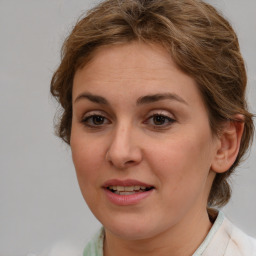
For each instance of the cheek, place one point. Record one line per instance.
(182, 174)
(86, 157)
(181, 160)
(87, 163)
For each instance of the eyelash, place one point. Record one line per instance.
(166, 119)
(89, 121)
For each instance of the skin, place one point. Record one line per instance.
(176, 155)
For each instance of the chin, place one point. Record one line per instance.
(130, 234)
(137, 228)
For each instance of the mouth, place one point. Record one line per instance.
(128, 190)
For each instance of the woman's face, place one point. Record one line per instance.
(141, 142)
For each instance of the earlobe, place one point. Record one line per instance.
(228, 144)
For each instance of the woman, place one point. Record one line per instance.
(153, 97)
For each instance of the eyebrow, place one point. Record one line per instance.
(161, 96)
(140, 101)
(92, 98)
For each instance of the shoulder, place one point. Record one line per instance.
(239, 242)
(225, 239)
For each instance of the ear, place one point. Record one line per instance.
(228, 144)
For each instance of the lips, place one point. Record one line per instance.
(118, 186)
(126, 192)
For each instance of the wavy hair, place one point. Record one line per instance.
(199, 39)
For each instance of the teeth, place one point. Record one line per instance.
(120, 188)
(123, 193)
(127, 193)
(127, 188)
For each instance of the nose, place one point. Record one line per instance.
(124, 150)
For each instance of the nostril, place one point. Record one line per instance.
(129, 162)
(123, 157)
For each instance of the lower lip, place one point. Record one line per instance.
(123, 200)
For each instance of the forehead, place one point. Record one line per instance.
(133, 70)
(134, 54)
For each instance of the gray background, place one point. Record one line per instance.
(40, 202)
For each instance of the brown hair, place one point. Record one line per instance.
(201, 42)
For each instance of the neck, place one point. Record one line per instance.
(181, 240)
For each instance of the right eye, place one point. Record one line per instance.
(95, 121)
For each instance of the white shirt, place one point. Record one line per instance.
(224, 239)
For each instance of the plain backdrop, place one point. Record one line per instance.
(40, 202)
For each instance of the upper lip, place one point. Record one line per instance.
(128, 182)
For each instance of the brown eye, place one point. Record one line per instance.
(95, 120)
(98, 120)
(159, 120)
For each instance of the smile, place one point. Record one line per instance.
(128, 190)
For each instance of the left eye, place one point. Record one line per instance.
(159, 120)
